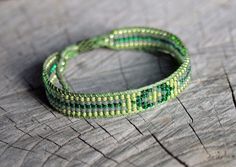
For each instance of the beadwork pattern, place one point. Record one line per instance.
(93, 105)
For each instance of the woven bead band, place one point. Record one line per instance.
(92, 105)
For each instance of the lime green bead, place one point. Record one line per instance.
(112, 113)
(95, 113)
(101, 113)
(90, 114)
(84, 114)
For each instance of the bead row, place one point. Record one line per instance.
(94, 105)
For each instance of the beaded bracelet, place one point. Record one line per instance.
(93, 105)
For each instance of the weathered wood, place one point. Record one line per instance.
(196, 129)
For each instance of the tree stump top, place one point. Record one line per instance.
(196, 129)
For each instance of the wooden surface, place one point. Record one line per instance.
(197, 129)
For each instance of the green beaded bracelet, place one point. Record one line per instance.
(93, 105)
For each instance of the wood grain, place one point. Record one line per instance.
(196, 129)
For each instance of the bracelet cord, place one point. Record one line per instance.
(93, 105)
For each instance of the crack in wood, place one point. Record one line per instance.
(147, 121)
(54, 153)
(29, 152)
(97, 150)
(3, 109)
(23, 131)
(75, 130)
(221, 126)
(107, 132)
(45, 138)
(142, 117)
(48, 127)
(131, 163)
(59, 156)
(69, 118)
(12, 146)
(10, 119)
(185, 109)
(134, 126)
(90, 123)
(199, 139)
(169, 152)
(230, 87)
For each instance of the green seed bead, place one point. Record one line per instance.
(84, 114)
(112, 113)
(78, 114)
(101, 113)
(90, 114)
(106, 113)
(95, 113)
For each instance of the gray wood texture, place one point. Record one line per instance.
(196, 129)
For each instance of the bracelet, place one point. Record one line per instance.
(93, 105)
